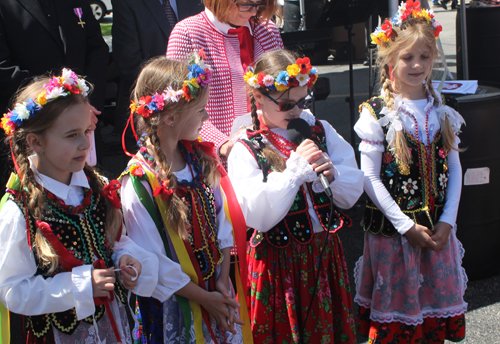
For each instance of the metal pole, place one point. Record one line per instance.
(393, 7)
(463, 24)
(302, 26)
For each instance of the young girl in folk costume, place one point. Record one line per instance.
(409, 281)
(61, 226)
(282, 199)
(174, 206)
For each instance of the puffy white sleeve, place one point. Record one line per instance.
(371, 163)
(142, 230)
(265, 204)
(348, 184)
(370, 132)
(149, 264)
(454, 187)
(24, 293)
(225, 229)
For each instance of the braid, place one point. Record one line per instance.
(177, 210)
(401, 150)
(35, 200)
(253, 107)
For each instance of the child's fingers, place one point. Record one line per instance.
(232, 303)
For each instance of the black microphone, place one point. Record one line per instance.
(298, 130)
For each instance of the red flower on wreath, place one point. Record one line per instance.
(304, 65)
(387, 27)
(260, 79)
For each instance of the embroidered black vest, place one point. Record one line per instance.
(297, 224)
(83, 237)
(418, 188)
(202, 230)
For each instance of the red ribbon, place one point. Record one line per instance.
(111, 193)
(166, 192)
(206, 147)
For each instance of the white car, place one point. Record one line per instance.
(101, 8)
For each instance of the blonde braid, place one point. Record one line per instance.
(177, 209)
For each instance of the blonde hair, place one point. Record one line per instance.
(222, 8)
(388, 53)
(156, 76)
(270, 63)
(35, 197)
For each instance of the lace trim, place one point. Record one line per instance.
(300, 169)
(425, 313)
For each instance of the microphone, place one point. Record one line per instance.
(298, 130)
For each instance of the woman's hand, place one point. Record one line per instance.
(441, 234)
(103, 282)
(128, 275)
(420, 237)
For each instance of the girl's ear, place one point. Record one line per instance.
(35, 142)
(169, 120)
(259, 97)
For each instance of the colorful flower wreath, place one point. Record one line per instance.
(199, 76)
(66, 84)
(301, 73)
(410, 10)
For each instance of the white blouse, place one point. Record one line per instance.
(266, 204)
(24, 293)
(371, 147)
(142, 229)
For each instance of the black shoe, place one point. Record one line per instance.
(443, 4)
(453, 5)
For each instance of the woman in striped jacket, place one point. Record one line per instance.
(233, 34)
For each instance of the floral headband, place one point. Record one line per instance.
(66, 84)
(410, 10)
(199, 76)
(300, 73)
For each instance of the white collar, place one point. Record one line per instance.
(222, 27)
(78, 179)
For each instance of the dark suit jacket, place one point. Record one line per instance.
(140, 32)
(29, 46)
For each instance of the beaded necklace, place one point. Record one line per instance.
(80, 209)
(283, 145)
(427, 147)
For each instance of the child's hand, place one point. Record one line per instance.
(441, 235)
(309, 151)
(127, 274)
(420, 237)
(223, 289)
(217, 305)
(103, 282)
(323, 164)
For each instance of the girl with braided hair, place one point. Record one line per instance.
(297, 277)
(174, 206)
(409, 281)
(61, 225)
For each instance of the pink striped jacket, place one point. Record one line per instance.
(228, 92)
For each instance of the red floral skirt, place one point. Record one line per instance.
(431, 331)
(281, 283)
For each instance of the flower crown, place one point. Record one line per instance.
(66, 84)
(199, 76)
(300, 73)
(410, 10)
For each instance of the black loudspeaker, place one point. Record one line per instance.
(311, 43)
(321, 88)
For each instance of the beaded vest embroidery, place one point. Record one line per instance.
(200, 201)
(297, 222)
(418, 188)
(84, 238)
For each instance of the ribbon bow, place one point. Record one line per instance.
(166, 192)
(206, 147)
(391, 117)
(111, 193)
(455, 119)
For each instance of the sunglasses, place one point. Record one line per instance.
(304, 103)
(247, 7)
